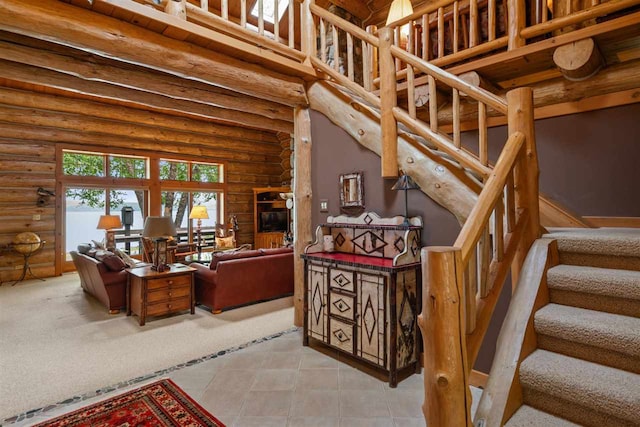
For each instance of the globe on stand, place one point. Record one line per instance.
(26, 244)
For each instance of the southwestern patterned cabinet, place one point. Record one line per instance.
(363, 297)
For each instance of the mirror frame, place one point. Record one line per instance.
(346, 179)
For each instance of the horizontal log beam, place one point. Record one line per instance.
(88, 31)
(134, 98)
(95, 69)
(42, 101)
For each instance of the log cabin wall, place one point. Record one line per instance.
(42, 110)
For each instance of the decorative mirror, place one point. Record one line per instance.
(352, 191)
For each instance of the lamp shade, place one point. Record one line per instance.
(398, 10)
(199, 212)
(108, 222)
(158, 226)
(405, 182)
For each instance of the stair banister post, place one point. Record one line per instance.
(516, 11)
(442, 323)
(520, 119)
(307, 29)
(388, 101)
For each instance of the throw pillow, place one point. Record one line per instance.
(101, 254)
(225, 243)
(114, 263)
(99, 245)
(130, 262)
(83, 248)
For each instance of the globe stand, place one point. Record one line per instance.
(26, 267)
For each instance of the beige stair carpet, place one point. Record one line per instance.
(602, 289)
(57, 342)
(526, 416)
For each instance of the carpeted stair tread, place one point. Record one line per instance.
(606, 241)
(603, 289)
(580, 390)
(605, 338)
(526, 416)
(598, 247)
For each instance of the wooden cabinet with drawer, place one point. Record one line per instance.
(153, 293)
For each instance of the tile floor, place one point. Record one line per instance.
(281, 383)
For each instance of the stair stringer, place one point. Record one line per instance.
(442, 180)
(517, 339)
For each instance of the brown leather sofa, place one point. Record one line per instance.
(109, 286)
(244, 277)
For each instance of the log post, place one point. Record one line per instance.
(307, 29)
(520, 119)
(176, 8)
(388, 101)
(302, 234)
(446, 383)
(517, 13)
(578, 60)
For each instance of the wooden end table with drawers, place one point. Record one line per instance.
(154, 293)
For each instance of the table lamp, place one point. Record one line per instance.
(199, 213)
(158, 228)
(109, 223)
(405, 182)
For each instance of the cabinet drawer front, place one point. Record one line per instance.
(341, 279)
(168, 293)
(341, 335)
(342, 305)
(172, 281)
(168, 306)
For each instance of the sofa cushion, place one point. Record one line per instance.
(114, 263)
(276, 251)
(223, 256)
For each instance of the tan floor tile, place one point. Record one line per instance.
(315, 403)
(223, 402)
(414, 382)
(317, 360)
(314, 422)
(405, 403)
(366, 422)
(260, 422)
(275, 379)
(362, 403)
(409, 422)
(267, 403)
(235, 379)
(317, 379)
(245, 360)
(353, 379)
(283, 360)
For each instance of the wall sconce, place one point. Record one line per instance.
(109, 223)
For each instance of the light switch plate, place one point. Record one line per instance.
(324, 205)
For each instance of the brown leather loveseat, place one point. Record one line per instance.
(104, 279)
(244, 277)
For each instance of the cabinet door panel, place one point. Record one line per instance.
(342, 305)
(341, 279)
(371, 339)
(317, 301)
(341, 335)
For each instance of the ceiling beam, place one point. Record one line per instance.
(89, 31)
(143, 80)
(133, 98)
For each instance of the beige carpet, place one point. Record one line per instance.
(57, 342)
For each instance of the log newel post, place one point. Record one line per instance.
(388, 101)
(302, 226)
(442, 323)
(307, 28)
(176, 8)
(520, 119)
(517, 13)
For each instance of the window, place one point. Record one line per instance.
(172, 170)
(268, 9)
(83, 164)
(177, 170)
(127, 167)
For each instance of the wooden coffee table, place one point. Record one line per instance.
(153, 293)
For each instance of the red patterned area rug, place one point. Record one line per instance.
(161, 403)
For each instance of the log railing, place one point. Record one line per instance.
(449, 31)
